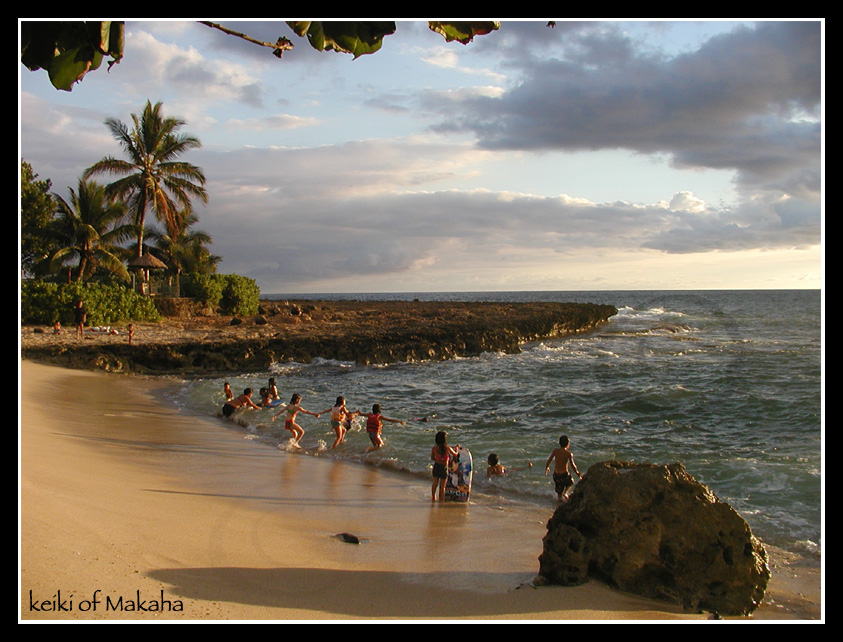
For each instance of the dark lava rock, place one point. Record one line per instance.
(371, 332)
(657, 532)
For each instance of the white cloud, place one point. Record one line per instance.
(278, 121)
(686, 202)
(348, 188)
(199, 77)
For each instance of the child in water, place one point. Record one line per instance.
(292, 409)
(441, 455)
(561, 476)
(266, 397)
(340, 419)
(243, 401)
(273, 389)
(374, 426)
(495, 467)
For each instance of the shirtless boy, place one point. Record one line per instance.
(561, 476)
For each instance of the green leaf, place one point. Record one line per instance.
(464, 32)
(69, 50)
(356, 38)
(70, 66)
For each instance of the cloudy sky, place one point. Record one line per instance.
(590, 156)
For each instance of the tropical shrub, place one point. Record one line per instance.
(106, 304)
(231, 293)
(241, 296)
(207, 289)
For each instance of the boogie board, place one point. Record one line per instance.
(458, 485)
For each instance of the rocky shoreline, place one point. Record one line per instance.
(365, 332)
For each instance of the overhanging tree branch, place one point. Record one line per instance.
(279, 47)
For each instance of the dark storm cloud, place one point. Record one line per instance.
(746, 100)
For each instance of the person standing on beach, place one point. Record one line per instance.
(441, 455)
(340, 419)
(244, 400)
(292, 409)
(374, 426)
(79, 316)
(561, 476)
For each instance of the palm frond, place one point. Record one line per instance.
(152, 177)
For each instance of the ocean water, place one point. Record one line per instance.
(727, 382)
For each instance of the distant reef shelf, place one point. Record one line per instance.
(195, 342)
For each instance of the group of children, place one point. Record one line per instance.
(441, 453)
(341, 416)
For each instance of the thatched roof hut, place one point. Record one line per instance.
(145, 263)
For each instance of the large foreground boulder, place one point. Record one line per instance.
(657, 532)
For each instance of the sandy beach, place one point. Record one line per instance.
(130, 510)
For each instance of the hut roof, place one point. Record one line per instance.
(147, 261)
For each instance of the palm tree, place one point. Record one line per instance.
(152, 177)
(89, 230)
(186, 253)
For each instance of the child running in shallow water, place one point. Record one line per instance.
(340, 419)
(561, 477)
(292, 409)
(374, 426)
(441, 455)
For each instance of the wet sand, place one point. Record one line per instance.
(127, 506)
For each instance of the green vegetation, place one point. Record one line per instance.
(359, 38)
(233, 294)
(86, 239)
(107, 304)
(36, 212)
(187, 252)
(86, 233)
(153, 177)
(69, 50)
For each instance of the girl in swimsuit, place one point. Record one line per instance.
(340, 419)
(292, 409)
(441, 455)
